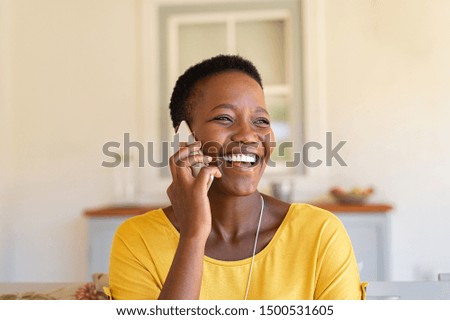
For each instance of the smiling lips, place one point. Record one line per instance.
(241, 160)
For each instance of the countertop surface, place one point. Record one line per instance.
(116, 211)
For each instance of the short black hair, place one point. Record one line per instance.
(179, 104)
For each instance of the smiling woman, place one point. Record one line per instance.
(229, 241)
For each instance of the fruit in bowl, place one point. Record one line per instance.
(356, 195)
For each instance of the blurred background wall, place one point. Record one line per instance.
(387, 92)
(71, 80)
(68, 86)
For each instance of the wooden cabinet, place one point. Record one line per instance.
(368, 227)
(102, 224)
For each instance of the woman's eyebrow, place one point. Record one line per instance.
(233, 107)
(262, 110)
(224, 106)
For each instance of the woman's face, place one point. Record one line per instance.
(229, 117)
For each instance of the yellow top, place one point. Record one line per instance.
(309, 257)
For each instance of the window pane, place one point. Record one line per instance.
(278, 107)
(279, 116)
(263, 42)
(200, 41)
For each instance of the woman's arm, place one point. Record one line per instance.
(192, 211)
(185, 275)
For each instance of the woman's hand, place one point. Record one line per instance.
(188, 194)
(190, 203)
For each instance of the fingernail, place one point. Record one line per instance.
(216, 162)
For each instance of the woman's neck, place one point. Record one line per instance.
(234, 216)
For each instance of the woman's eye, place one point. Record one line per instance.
(223, 118)
(262, 122)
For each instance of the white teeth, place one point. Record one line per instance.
(241, 158)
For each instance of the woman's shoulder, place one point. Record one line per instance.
(148, 221)
(297, 215)
(303, 213)
(310, 209)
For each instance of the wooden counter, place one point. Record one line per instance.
(118, 211)
(357, 208)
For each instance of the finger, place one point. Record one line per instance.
(194, 159)
(204, 177)
(186, 170)
(180, 169)
(172, 167)
(170, 192)
(195, 165)
(185, 151)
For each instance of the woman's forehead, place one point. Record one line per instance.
(224, 85)
(227, 75)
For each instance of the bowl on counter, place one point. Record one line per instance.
(355, 196)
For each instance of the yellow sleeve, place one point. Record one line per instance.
(337, 276)
(131, 276)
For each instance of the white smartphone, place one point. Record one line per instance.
(185, 135)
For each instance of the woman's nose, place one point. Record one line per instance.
(245, 133)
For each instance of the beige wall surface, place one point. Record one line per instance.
(70, 81)
(72, 87)
(388, 74)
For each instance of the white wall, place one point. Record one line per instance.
(388, 76)
(6, 139)
(70, 82)
(72, 88)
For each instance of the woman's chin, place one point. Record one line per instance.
(237, 187)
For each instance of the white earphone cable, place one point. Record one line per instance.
(254, 249)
